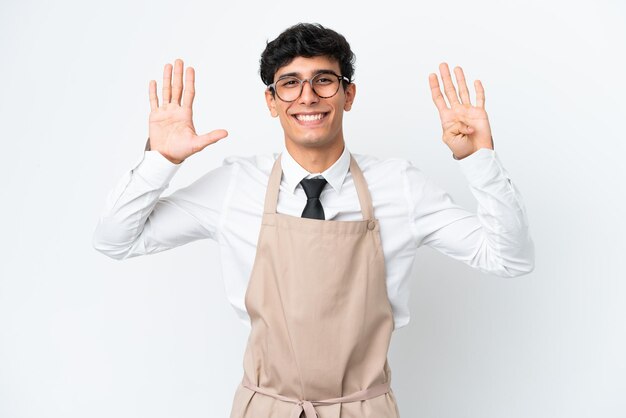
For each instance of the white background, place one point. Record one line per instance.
(82, 335)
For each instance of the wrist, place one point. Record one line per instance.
(170, 159)
(488, 146)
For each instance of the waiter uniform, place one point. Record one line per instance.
(320, 316)
(314, 290)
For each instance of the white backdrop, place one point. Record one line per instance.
(82, 335)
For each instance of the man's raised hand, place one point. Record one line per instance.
(465, 127)
(171, 127)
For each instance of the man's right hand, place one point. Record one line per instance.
(171, 127)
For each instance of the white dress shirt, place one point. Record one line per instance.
(226, 204)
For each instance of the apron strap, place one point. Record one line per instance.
(361, 189)
(273, 186)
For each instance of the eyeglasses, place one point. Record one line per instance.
(324, 85)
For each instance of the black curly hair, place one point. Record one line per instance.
(306, 40)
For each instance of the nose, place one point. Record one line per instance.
(308, 96)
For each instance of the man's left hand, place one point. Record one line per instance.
(465, 127)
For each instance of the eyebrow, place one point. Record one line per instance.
(315, 72)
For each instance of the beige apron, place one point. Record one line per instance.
(321, 319)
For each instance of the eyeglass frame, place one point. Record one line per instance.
(310, 81)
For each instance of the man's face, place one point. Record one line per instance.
(314, 132)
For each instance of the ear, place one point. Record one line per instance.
(350, 92)
(271, 103)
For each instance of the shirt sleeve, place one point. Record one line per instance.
(136, 220)
(496, 239)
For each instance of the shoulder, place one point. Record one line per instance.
(250, 169)
(393, 178)
(383, 169)
(256, 160)
(251, 163)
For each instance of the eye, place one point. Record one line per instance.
(288, 82)
(323, 80)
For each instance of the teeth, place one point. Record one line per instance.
(309, 117)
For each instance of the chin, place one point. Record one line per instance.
(312, 142)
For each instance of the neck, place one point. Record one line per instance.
(315, 159)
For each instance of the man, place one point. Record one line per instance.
(316, 243)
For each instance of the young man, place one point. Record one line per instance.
(317, 243)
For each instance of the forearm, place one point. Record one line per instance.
(504, 246)
(495, 239)
(119, 233)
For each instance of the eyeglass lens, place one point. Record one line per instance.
(324, 85)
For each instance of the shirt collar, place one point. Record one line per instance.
(335, 174)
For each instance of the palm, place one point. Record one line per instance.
(465, 126)
(171, 125)
(171, 130)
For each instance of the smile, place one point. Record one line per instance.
(310, 118)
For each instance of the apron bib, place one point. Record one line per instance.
(321, 319)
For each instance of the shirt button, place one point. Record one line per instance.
(371, 225)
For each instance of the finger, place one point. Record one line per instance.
(435, 92)
(190, 88)
(211, 137)
(167, 83)
(480, 94)
(177, 81)
(459, 127)
(154, 99)
(460, 82)
(448, 87)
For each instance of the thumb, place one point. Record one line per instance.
(210, 138)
